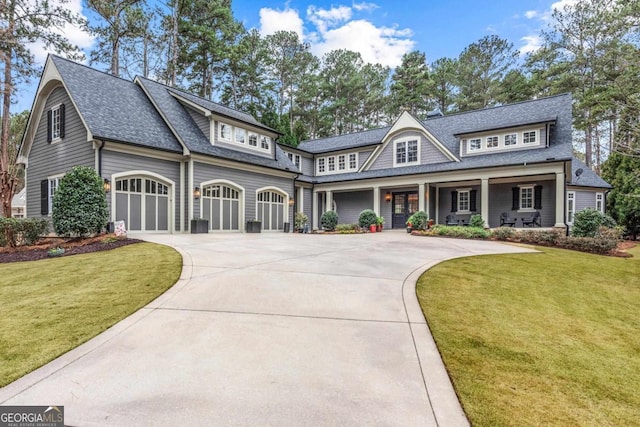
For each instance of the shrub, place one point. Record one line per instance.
(459, 231)
(300, 220)
(419, 220)
(503, 233)
(17, 231)
(595, 245)
(614, 233)
(79, 205)
(367, 218)
(329, 220)
(347, 227)
(543, 237)
(608, 221)
(476, 221)
(33, 229)
(586, 223)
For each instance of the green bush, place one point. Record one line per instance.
(586, 223)
(476, 221)
(542, 237)
(367, 218)
(503, 233)
(300, 220)
(347, 227)
(459, 231)
(608, 221)
(329, 220)
(79, 205)
(419, 220)
(595, 245)
(17, 231)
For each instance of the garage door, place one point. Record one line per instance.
(221, 206)
(143, 203)
(271, 210)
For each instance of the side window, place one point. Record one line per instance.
(55, 123)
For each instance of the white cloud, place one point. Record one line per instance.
(328, 18)
(272, 21)
(364, 6)
(76, 35)
(563, 4)
(531, 44)
(530, 14)
(376, 44)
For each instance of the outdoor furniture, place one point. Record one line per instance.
(532, 221)
(451, 220)
(506, 220)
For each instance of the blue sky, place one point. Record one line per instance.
(381, 30)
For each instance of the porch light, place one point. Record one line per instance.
(387, 197)
(106, 185)
(292, 201)
(196, 193)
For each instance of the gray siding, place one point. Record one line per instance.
(429, 153)
(363, 156)
(585, 198)
(349, 205)
(307, 165)
(47, 159)
(115, 162)
(500, 200)
(308, 205)
(200, 119)
(249, 181)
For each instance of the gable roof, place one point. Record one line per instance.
(586, 178)
(113, 108)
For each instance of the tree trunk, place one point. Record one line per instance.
(588, 144)
(7, 183)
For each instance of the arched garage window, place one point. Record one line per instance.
(271, 209)
(143, 203)
(221, 206)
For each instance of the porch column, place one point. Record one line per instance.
(559, 200)
(484, 201)
(300, 197)
(421, 198)
(437, 204)
(314, 213)
(376, 200)
(329, 205)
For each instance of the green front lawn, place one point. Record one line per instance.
(51, 306)
(551, 338)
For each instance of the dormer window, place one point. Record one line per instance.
(342, 165)
(529, 137)
(321, 165)
(55, 123)
(406, 152)
(253, 140)
(265, 142)
(240, 135)
(225, 132)
(331, 162)
(492, 142)
(475, 144)
(353, 161)
(510, 139)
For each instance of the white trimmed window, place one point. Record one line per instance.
(241, 134)
(529, 137)
(526, 198)
(463, 201)
(56, 123)
(321, 163)
(571, 206)
(295, 159)
(224, 131)
(406, 152)
(265, 142)
(510, 139)
(54, 182)
(475, 144)
(492, 142)
(253, 140)
(600, 202)
(331, 164)
(353, 161)
(342, 162)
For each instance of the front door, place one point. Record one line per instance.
(404, 205)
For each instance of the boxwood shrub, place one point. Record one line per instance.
(367, 218)
(419, 220)
(329, 220)
(22, 231)
(459, 231)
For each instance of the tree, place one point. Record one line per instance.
(79, 206)
(515, 87)
(410, 85)
(123, 19)
(623, 201)
(23, 23)
(481, 67)
(443, 78)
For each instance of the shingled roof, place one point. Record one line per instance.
(587, 177)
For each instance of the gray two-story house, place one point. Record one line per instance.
(168, 157)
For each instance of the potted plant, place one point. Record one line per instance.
(368, 220)
(379, 223)
(300, 221)
(418, 221)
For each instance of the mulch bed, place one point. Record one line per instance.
(71, 247)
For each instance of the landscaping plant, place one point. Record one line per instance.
(79, 206)
(329, 220)
(367, 218)
(476, 221)
(419, 220)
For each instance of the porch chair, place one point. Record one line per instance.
(505, 220)
(451, 220)
(533, 220)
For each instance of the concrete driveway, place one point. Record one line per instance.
(268, 330)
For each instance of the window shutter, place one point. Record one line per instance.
(537, 197)
(472, 200)
(62, 121)
(516, 198)
(454, 201)
(44, 197)
(49, 136)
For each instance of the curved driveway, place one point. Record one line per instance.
(268, 330)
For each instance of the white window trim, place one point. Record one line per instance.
(347, 168)
(504, 140)
(601, 196)
(49, 195)
(406, 142)
(486, 142)
(469, 146)
(533, 201)
(220, 137)
(468, 191)
(235, 135)
(55, 139)
(249, 135)
(536, 142)
(571, 195)
(324, 165)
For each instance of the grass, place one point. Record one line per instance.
(51, 306)
(551, 338)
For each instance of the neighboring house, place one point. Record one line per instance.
(19, 204)
(170, 157)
